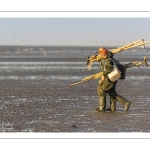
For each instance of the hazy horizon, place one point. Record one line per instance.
(105, 32)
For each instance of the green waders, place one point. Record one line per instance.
(109, 87)
(112, 104)
(112, 93)
(102, 103)
(123, 101)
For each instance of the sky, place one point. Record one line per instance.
(73, 31)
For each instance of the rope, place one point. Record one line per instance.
(119, 86)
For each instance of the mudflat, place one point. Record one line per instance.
(35, 95)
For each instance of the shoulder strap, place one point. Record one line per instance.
(113, 61)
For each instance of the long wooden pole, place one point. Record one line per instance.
(98, 75)
(114, 51)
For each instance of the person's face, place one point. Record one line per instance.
(101, 54)
(99, 51)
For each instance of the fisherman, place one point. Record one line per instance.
(105, 85)
(112, 100)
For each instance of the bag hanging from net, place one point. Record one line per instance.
(115, 74)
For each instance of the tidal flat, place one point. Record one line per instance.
(35, 95)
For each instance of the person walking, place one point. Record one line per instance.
(106, 86)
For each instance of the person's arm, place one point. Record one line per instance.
(108, 67)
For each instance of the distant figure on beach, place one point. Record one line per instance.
(106, 86)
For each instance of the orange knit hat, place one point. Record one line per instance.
(103, 51)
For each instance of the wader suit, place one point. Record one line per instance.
(108, 87)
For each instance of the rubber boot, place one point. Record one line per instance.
(112, 105)
(102, 104)
(123, 101)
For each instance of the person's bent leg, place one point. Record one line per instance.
(123, 101)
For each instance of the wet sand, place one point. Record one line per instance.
(35, 95)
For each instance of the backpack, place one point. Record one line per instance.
(121, 68)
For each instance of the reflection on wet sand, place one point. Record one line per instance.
(36, 97)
